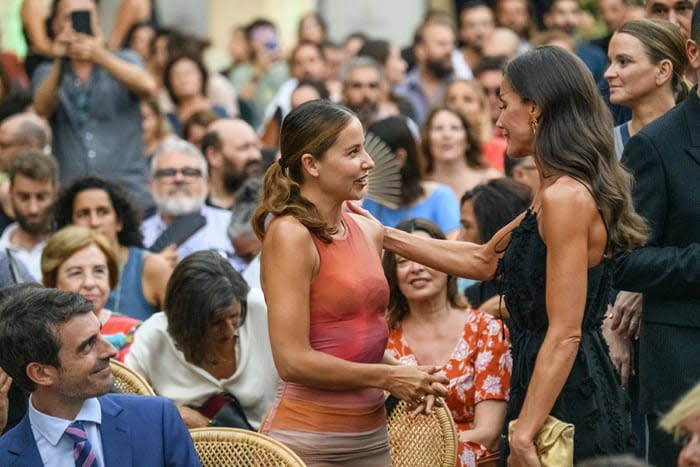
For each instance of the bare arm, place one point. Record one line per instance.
(288, 263)
(488, 423)
(156, 273)
(46, 95)
(130, 12)
(566, 217)
(32, 14)
(135, 78)
(454, 257)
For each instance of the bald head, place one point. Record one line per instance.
(501, 42)
(232, 149)
(22, 131)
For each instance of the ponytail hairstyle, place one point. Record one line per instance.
(311, 128)
(662, 41)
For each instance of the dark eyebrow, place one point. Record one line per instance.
(353, 147)
(87, 342)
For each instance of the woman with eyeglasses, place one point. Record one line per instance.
(102, 206)
(208, 351)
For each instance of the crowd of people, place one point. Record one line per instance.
(535, 254)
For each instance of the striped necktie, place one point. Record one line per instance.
(83, 453)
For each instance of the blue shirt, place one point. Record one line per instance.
(55, 447)
(411, 89)
(440, 206)
(97, 128)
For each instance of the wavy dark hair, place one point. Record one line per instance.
(398, 305)
(495, 203)
(573, 136)
(474, 155)
(124, 207)
(201, 288)
(395, 133)
(311, 128)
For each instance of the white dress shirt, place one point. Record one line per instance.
(55, 447)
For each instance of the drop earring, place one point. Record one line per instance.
(533, 125)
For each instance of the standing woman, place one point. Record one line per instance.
(326, 295)
(555, 257)
(646, 73)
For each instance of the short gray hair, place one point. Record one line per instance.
(182, 147)
(362, 61)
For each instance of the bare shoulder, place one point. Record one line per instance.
(286, 231)
(373, 231)
(568, 194)
(155, 265)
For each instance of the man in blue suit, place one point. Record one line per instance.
(50, 344)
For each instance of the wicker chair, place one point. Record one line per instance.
(232, 447)
(427, 440)
(128, 381)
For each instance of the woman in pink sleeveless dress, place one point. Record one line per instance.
(326, 295)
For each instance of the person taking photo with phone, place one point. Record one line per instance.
(91, 97)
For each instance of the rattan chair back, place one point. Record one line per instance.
(128, 381)
(426, 440)
(233, 447)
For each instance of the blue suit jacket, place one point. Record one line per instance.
(135, 430)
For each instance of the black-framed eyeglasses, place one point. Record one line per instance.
(191, 172)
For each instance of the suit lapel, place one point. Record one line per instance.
(115, 432)
(24, 446)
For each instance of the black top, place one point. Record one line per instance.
(592, 398)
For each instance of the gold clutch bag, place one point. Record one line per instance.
(554, 442)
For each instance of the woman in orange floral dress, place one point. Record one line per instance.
(431, 324)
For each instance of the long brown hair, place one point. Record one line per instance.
(474, 155)
(312, 128)
(398, 305)
(574, 138)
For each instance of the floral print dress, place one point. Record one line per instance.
(479, 369)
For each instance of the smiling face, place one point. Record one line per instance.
(84, 370)
(86, 272)
(447, 137)
(419, 283)
(343, 171)
(515, 122)
(631, 75)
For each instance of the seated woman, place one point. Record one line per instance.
(431, 324)
(78, 259)
(485, 209)
(211, 343)
(419, 198)
(101, 205)
(452, 152)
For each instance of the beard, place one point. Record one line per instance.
(41, 225)
(440, 68)
(366, 111)
(234, 178)
(179, 205)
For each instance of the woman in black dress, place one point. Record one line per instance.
(554, 259)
